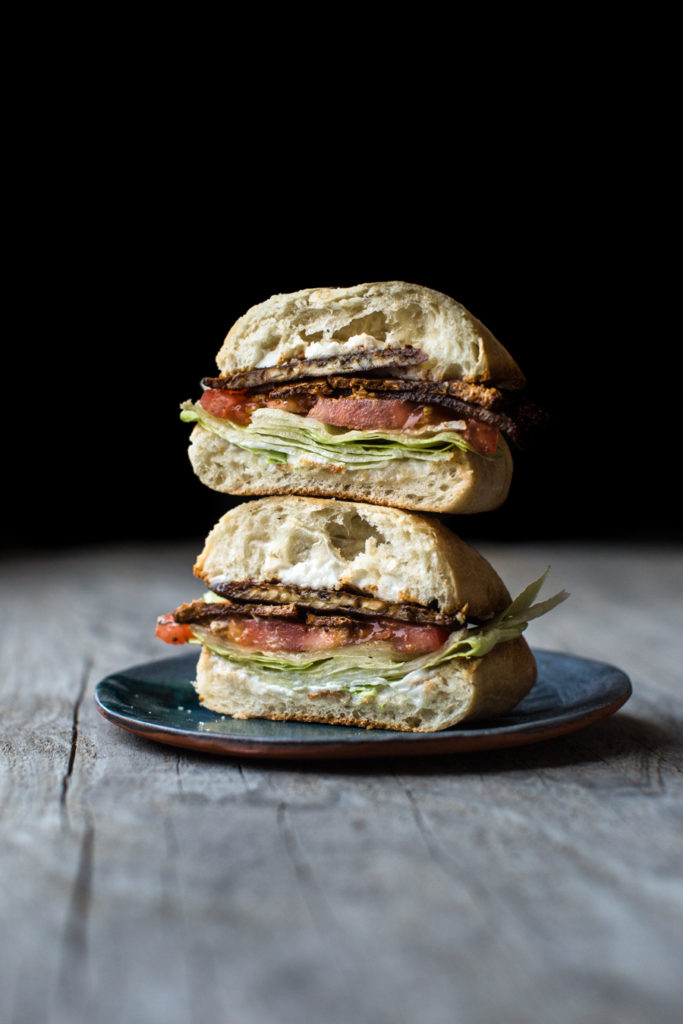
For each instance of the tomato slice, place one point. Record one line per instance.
(227, 405)
(172, 632)
(482, 436)
(278, 635)
(415, 640)
(363, 413)
(236, 406)
(299, 405)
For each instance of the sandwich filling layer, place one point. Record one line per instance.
(317, 410)
(326, 651)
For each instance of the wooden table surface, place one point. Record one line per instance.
(145, 884)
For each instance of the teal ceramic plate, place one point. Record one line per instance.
(157, 701)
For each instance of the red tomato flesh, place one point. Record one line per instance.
(172, 632)
(278, 635)
(233, 405)
(482, 436)
(363, 413)
(408, 639)
(238, 407)
(297, 405)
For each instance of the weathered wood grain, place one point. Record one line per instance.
(141, 883)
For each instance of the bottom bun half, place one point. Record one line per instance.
(474, 688)
(465, 483)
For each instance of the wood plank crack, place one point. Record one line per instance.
(72, 975)
(66, 778)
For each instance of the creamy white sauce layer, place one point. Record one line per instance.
(410, 693)
(322, 568)
(321, 349)
(297, 347)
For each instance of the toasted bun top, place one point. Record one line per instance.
(319, 322)
(327, 544)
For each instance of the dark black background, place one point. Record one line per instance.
(128, 281)
(164, 177)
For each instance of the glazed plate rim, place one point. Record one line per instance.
(605, 689)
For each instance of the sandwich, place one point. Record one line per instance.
(345, 613)
(388, 393)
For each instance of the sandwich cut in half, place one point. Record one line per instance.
(352, 614)
(389, 393)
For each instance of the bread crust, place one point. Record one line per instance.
(389, 553)
(398, 313)
(465, 484)
(462, 689)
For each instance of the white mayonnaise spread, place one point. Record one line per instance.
(331, 347)
(321, 568)
(297, 348)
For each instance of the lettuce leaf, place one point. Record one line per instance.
(280, 436)
(510, 623)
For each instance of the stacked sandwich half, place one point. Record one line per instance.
(356, 415)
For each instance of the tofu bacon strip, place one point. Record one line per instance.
(248, 594)
(386, 358)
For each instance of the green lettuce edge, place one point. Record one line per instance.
(283, 436)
